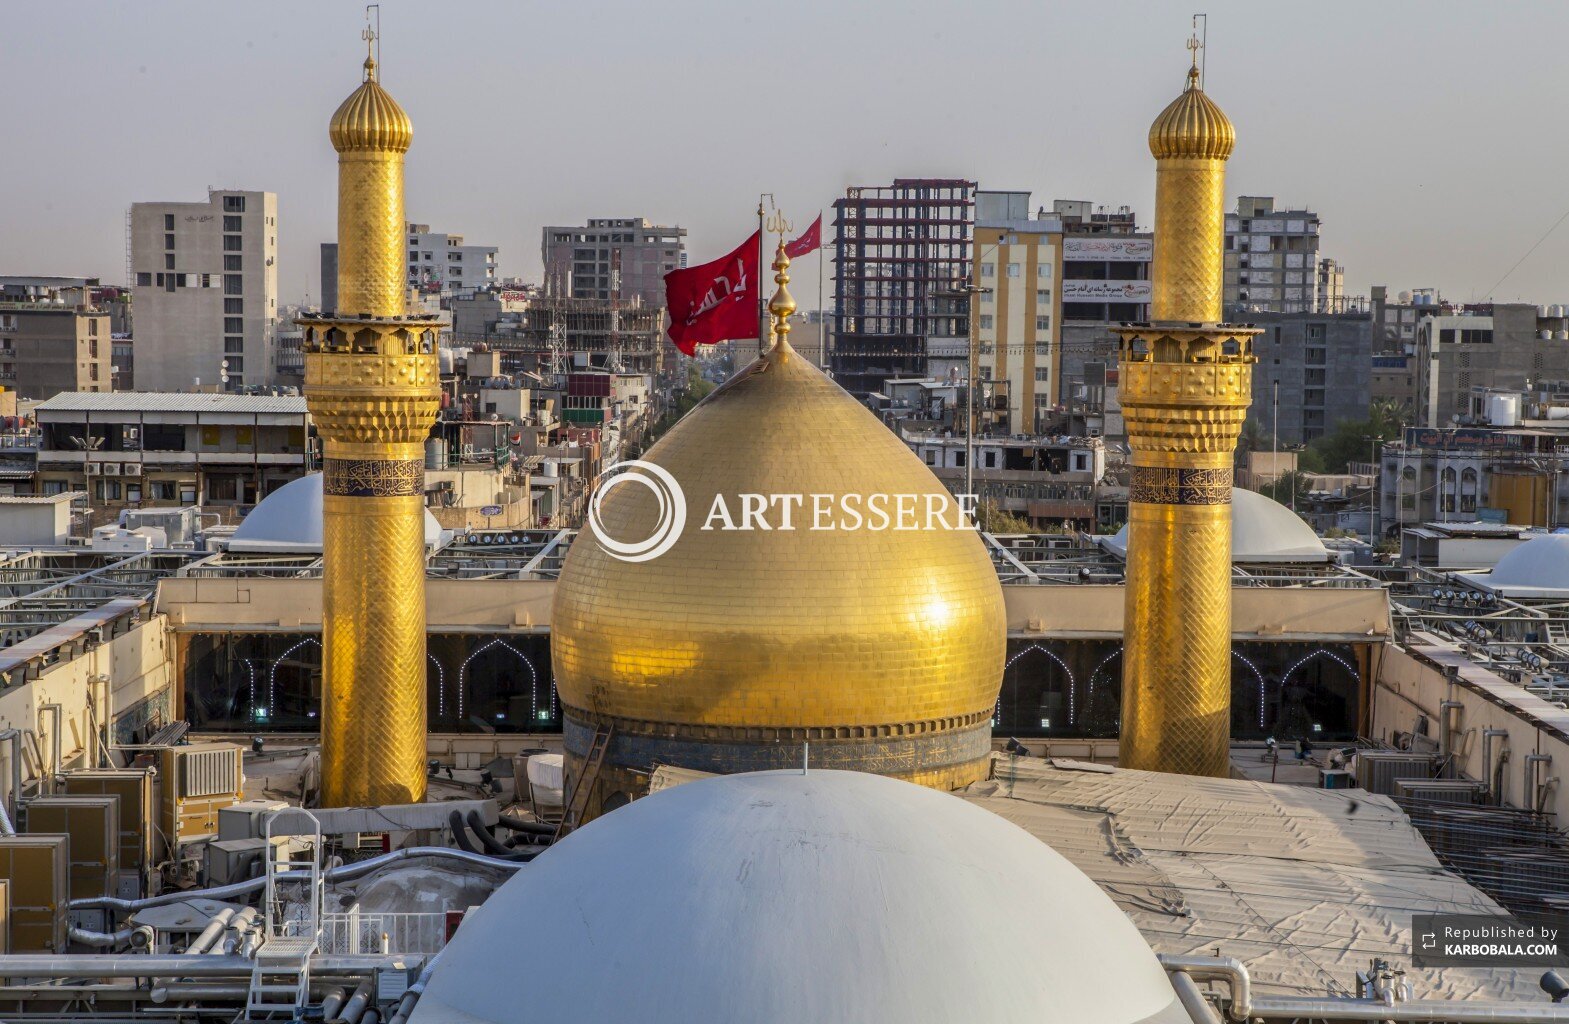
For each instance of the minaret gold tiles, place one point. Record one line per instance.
(372, 386)
(1186, 383)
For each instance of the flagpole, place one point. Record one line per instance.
(822, 331)
(762, 305)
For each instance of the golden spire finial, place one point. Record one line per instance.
(782, 305)
(1194, 46)
(369, 35)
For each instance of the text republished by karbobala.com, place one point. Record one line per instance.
(1445, 940)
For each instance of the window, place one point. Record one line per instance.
(244, 436)
(234, 346)
(231, 261)
(1043, 323)
(233, 284)
(168, 222)
(986, 321)
(54, 486)
(168, 261)
(233, 306)
(1013, 270)
(231, 223)
(988, 270)
(111, 490)
(163, 490)
(986, 296)
(187, 494)
(236, 365)
(210, 436)
(144, 279)
(1042, 373)
(133, 494)
(168, 241)
(1043, 296)
(233, 325)
(1043, 270)
(231, 243)
(931, 457)
(234, 204)
(991, 460)
(220, 488)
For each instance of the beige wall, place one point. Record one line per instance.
(1411, 684)
(1257, 613)
(139, 664)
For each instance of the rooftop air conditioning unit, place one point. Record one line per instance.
(132, 469)
(91, 469)
(111, 469)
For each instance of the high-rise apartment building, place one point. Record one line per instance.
(902, 275)
(205, 291)
(1015, 309)
(1314, 371)
(612, 258)
(441, 264)
(1272, 261)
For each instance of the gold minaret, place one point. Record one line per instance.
(372, 386)
(1186, 383)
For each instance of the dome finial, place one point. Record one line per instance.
(1194, 46)
(369, 35)
(782, 305)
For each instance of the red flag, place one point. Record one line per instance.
(716, 301)
(810, 241)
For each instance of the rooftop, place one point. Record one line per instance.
(159, 401)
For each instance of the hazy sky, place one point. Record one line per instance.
(1429, 136)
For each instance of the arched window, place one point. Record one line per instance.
(1446, 488)
(1468, 490)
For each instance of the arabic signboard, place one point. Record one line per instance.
(1463, 439)
(490, 510)
(1121, 250)
(1105, 291)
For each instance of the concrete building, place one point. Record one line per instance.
(1314, 368)
(139, 450)
(551, 333)
(612, 258)
(902, 274)
(53, 340)
(1511, 466)
(442, 264)
(205, 290)
(1505, 346)
(1272, 260)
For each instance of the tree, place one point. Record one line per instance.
(994, 520)
(1286, 488)
(1355, 440)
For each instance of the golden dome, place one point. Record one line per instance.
(1192, 126)
(371, 119)
(801, 629)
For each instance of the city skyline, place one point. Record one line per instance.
(556, 116)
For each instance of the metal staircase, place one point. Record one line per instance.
(577, 800)
(281, 976)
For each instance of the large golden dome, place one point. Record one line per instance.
(1192, 125)
(782, 636)
(370, 119)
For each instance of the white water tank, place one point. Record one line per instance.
(1503, 410)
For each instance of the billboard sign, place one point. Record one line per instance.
(1121, 250)
(1105, 291)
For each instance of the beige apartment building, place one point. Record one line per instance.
(1014, 314)
(47, 348)
(205, 291)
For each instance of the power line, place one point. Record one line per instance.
(1489, 295)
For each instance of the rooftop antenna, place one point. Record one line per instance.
(1199, 44)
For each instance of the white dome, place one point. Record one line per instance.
(289, 520)
(1537, 568)
(1262, 530)
(787, 897)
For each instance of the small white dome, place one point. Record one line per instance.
(289, 520)
(1262, 530)
(783, 897)
(1537, 568)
